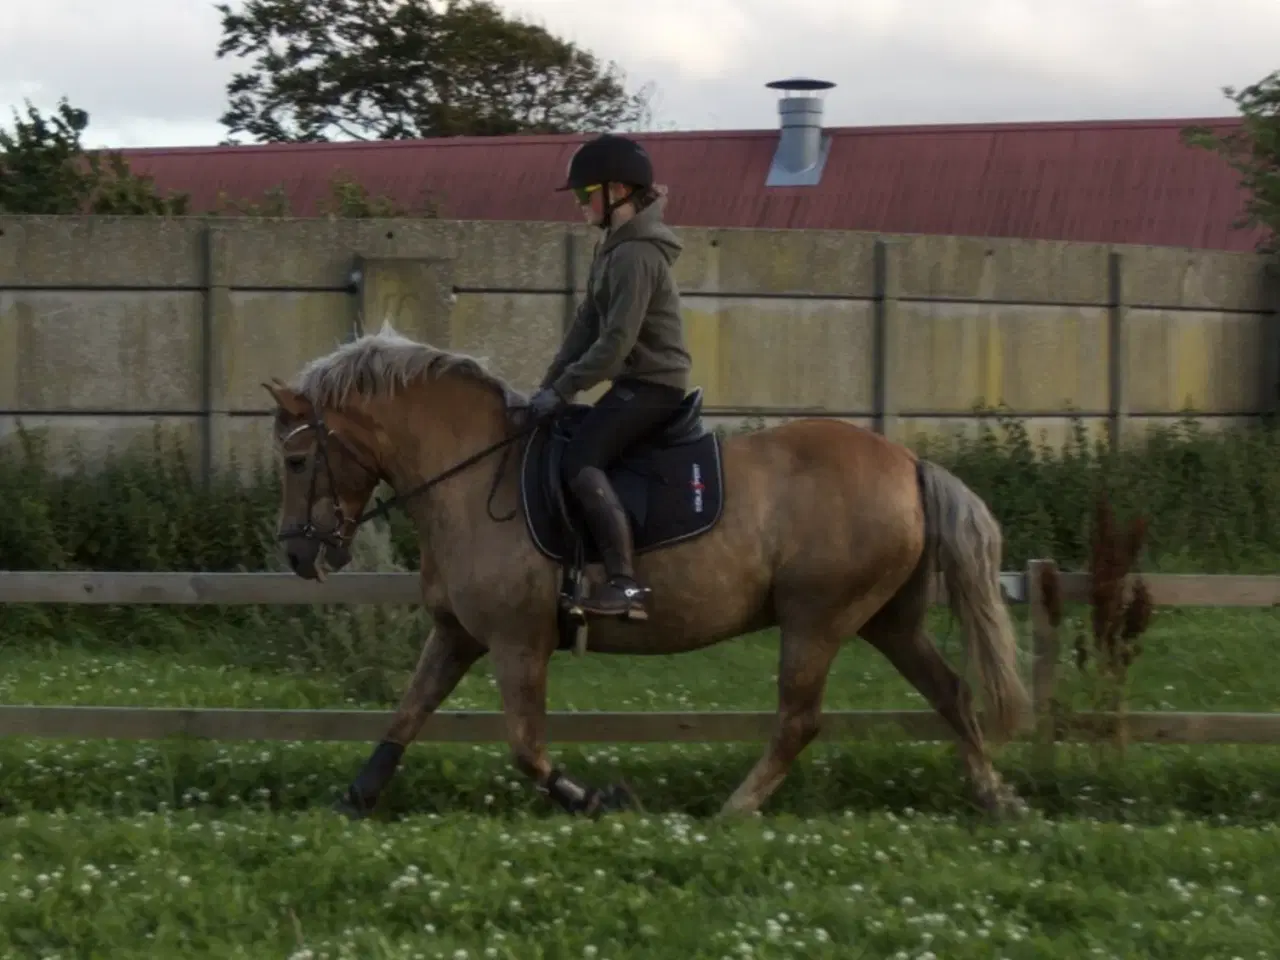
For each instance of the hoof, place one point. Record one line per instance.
(1003, 803)
(615, 798)
(1013, 806)
(350, 806)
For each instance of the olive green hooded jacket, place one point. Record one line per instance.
(629, 323)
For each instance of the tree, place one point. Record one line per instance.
(396, 69)
(44, 169)
(1254, 151)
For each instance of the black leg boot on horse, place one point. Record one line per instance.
(621, 595)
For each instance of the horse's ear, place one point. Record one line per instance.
(288, 399)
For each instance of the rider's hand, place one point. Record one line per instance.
(545, 402)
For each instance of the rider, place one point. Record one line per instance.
(628, 330)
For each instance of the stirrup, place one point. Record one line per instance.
(632, 595)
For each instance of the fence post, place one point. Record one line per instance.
(885, 285)
(1117, 340)
(1044, 652)
(574, 280)
(213, 323)
(1271, 342)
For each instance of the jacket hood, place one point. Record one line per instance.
(648, 225)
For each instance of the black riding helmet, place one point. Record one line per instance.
(608, 158)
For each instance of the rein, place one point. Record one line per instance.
(335, 537)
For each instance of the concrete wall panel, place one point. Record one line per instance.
(511, 256)
(121, 351)
(1136, 428)
(778, 321)
(734, 423)
(78, 252)
(415, 296)
(817, 263)
(91, 438)
(309, 254)
(1210, 362)
(274, 334)
(820, 263)
(784, 354)
(517, 333)
(1196, 280)
(243, 442)
(950, 357)
(1026, 271)
(1054, 432)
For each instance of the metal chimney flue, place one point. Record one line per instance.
(802, 149)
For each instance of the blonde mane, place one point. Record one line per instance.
(383, 362)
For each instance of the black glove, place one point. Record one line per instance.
(545, 402)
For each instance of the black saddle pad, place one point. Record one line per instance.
(671, 492)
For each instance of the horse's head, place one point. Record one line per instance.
(329, 469)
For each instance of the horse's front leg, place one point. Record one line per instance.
(520, 667)
(446, 657)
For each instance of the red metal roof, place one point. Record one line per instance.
(1112, 181)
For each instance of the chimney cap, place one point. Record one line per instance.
(800, 83)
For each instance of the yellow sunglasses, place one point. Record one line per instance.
(584, 193)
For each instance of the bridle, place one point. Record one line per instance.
(344, 529)
(339, 535)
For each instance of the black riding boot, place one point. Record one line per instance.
(620, 595)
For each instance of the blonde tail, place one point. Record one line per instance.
(966, 542)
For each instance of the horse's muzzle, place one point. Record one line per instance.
(312, 559)
(304, 557)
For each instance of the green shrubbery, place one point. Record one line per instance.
(148, 510)
(1212, 500)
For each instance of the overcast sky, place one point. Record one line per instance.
(146, 72)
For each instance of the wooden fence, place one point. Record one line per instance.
(150, 723)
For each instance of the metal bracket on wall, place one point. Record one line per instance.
(355, 287)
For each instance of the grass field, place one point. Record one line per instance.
(1195, 659)
(868, 850)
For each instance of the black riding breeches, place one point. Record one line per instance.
(627, 413)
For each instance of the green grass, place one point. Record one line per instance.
(1194, 659)
(868, 850)
(226, 850)
(309, 886)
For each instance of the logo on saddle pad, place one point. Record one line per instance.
(697, 486)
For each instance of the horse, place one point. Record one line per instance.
(816, 526)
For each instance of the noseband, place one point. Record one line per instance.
(307, 530)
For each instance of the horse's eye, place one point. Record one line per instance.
(296, 463)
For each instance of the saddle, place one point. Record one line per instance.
(671, 485)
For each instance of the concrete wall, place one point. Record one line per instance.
(109, 326)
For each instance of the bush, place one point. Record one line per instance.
(1211, 498)
(149, 510)
(1212, 501)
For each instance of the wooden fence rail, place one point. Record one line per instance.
(182, 588)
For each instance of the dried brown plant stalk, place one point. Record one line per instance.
(1120, 606)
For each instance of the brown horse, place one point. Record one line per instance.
(823, 529)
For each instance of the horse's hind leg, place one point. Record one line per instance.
(898, 631)
(805, 657)
(446, 657)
